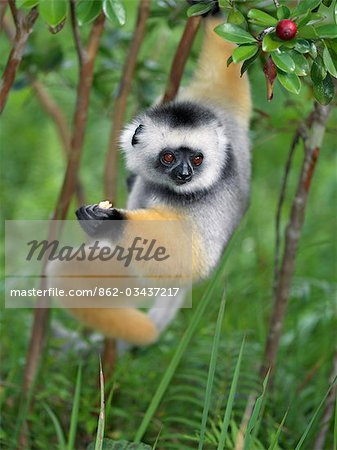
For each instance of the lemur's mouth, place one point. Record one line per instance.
(181, 182)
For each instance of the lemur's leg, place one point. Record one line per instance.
(165, 309)
(160, 314)
(127, 323)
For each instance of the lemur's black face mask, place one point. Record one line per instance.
(180, 163)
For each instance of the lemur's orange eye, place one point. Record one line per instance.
(197, 160)
(168, 158)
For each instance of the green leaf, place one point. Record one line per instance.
(236, 17)
(114, 9)
(327, 31)
(271, 42)
(87, 11)
(283, 12)
(313, 50)
(229, 61)
(327, 3)
(244, 52)
(301, 63)
(74, 411)
(304, 435)
(307, 32)
(26, 3)
(304, 20)
(109, 444)
(261, 18)
(57, 427)
(254, 418)
(53, 11)
(318, 70)
(274, 443)
(316, 17)
(332, 44)
(283, 61)
(304, 6)
(310, 18)
(234, 33)
(335, 427)
(302, 46)
(248, 63)
(199, 8)
(230, 401)
(324, 91)
(211, 371)
(290, 81)
(101, 417)
(330, 61)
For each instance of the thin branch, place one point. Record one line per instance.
(80, 119)
(15, 14)
(24, 26)
(312, 144)
(60, 122)
(76, 34)
(328, 410)
(41, 316)
(309, 376)
(298, 134)
(179, 61)
(110, 173)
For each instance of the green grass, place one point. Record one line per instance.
(74, 411)
(211, 373)
(230, 401)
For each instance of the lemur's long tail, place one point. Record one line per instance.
(214, 81)
(127, 324)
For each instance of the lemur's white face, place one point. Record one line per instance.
(184, 157)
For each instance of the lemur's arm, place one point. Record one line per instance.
(95, 222)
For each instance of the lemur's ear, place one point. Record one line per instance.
(137, 131)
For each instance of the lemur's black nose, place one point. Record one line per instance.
(184, 177)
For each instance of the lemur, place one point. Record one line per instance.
(189, 158)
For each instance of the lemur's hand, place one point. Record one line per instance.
(93, 219)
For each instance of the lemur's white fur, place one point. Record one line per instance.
(209, 138)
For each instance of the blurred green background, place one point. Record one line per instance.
(32, 167)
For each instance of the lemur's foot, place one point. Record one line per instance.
(93, 219)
